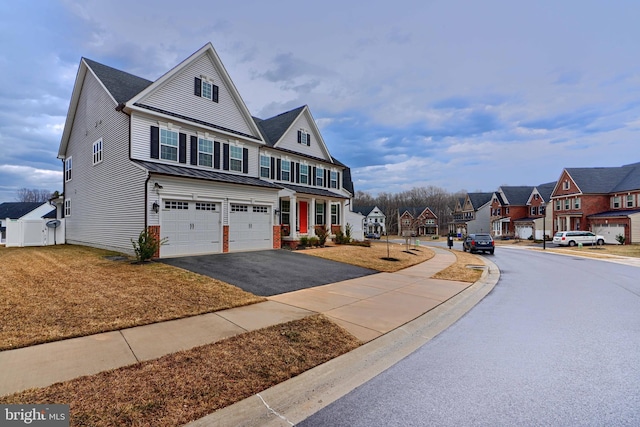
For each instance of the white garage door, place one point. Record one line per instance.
(609, 232)
(524, 232)
(190, 228)
(249, 227)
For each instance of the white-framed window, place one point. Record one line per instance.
(304, 137)
(207, 89)
(320, 177)
(558, 205)
(335, 214)
(334, 179)
(576, 203)
(67, 207)
(97, 151)
(615, 202)
(235, 158)
(319, 213)
(630, 200)
(168, 145)
(285, 170)
(536, 196)
(67, 169)
(265, 166)
(205, 152)
(534, 210)
(567, 204)
(239, 208)
(285, 212)
(304, 174)
(565, 185)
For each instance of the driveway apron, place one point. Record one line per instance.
(271, 272)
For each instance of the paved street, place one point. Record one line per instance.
(556, 343)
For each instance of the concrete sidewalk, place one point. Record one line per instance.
(367, 307)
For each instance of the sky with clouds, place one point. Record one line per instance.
(458, 94)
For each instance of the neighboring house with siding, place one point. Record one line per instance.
(373, 219)
(183, 156)
(472, 214)
(605, 200)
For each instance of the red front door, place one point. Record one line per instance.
(303, 217)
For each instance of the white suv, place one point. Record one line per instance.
(572, 238)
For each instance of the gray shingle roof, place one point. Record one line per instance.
(546, 189)
(122, 86)
(274, 127)
(15, 210)
(607, 179)
(209, 175)
(517, 195)
(479, 199)
(312, 191)
(610, 214)
(364, 210)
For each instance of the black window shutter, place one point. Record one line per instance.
(297, 173)
(225, 157)
(292, 172)
(214, 93)
(182, 148)
(338, 179)
(309, 139)
(155, 142)
(245, 160)
(313, 175)
(197, 87)
(299, 137)
(278, 169)
(216, 154)
(194, 150)
(327, 177)
(273, 168)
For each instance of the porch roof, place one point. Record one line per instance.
(312, 191)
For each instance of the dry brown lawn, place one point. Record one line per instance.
(460, 270)
(185, 386)
(374, 257)
(606, 251)
(56, 292)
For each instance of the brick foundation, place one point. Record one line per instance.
(225, 238)
(155, 231)
(277, 239)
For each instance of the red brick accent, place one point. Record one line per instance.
(335, 229)
(155, 231)
(225, 238)
(277, 239)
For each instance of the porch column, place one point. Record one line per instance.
(343, 218)
(293, 214)
(312, 220)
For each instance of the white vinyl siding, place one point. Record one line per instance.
(290, 140)
(180, 87)
(107, 201)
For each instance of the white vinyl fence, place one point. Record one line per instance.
(34, 232)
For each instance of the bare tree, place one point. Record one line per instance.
(33, 195)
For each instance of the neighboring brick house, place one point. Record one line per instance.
(414, 221)
(605, 200)
(374, 219)
(472, 214)
(508, 205)
(539, 221)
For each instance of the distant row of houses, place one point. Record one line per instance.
(605, 200)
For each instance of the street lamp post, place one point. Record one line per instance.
(544, 231)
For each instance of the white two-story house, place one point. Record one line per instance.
(183, 156)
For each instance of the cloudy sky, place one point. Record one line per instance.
(460, 94)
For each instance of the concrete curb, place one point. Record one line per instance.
(294, 400)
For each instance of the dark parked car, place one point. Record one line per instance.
(479, 242)
(372, 236)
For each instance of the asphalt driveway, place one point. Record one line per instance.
(270, 272)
